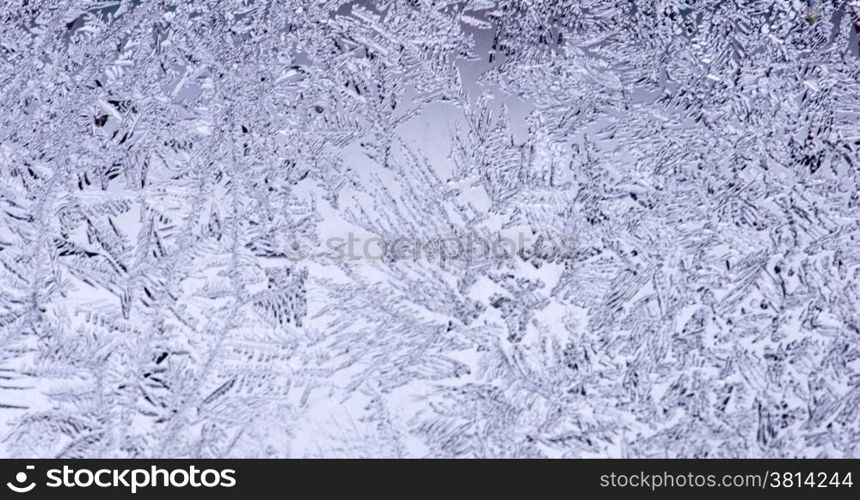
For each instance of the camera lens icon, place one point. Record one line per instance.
(21, 478)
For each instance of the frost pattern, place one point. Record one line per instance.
(172, 175)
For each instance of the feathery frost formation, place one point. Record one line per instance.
(202, 207)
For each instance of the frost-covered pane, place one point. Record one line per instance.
(424, 228)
